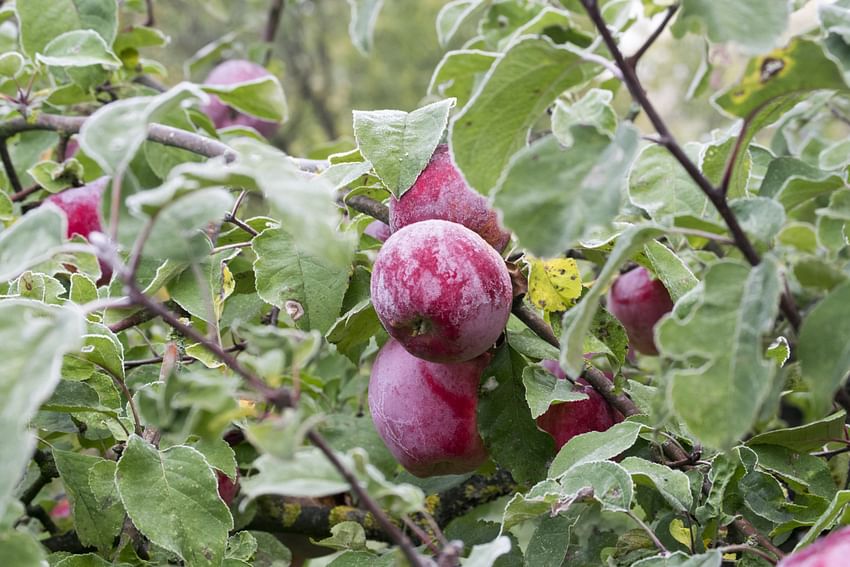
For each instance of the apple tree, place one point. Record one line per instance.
(524, 323)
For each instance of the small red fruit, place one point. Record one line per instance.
(227, 488)
(223, 116)
(441, 291)
(565, 420)
(830, 551)
(440, 192)
(639, 301)
(81, 206)
(426, 411)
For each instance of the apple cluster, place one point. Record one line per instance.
(443, 293)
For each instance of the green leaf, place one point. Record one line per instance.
(763, 495)
(33, 338)
(577, 321)
(542, 389)
(43, 20)
(241, 546)
(713, 558)
(85, 560)
(837, 509)
(458, 71)
(33, 239)
(809, 437)
(551, 197)
(286, 271)
(308, 474)
(172, 498)
(178, 232)
(21, 549)
(262, 98)
(451, 17)
(731, 20)
(78, 48)
(505, 422)
(673, 485)
(760, 217)
(485, 555)
(804, 472)
(98, 518)
(551, 540)
(593, 109)
(595, 446)
(824, 356)
(535, 502)
(670, 269)
(218, 454)
(114, 133)
(610, 484)
(660, 185)
(801, 66)
(361, 27)
(345, 535)
(719, 397)
(104, 350)
(270, 552)
(793, 183)
(400, 144)
(352, 332)
(11, 64)
(513, 95)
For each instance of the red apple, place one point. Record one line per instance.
(227, 488)
(378, 230)
(426, 411)
(830, 551)
(639, 301)
(81, 206)
(440, 192)
(61, 510)
(229, 73)
(441, 291)
(565, 420)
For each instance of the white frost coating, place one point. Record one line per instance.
(444, 273)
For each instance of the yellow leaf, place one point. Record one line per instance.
(680, 533)
(554, 284)
(228, 284)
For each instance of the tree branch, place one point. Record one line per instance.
(368, 206)
(633, 59)
(151, 20)
(715, 195)
(11, 174)
(272, 24)
(47, 471)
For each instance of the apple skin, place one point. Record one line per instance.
(566, 420)
(441, 291)
(830, 551)
(638, 302)
(378, 230)
(426, 411)
(223, 116)
(81, 206)
(440, 192)
(227, 488)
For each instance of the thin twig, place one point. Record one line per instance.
(241, 224)
(137, 318)
(137, 422)
(635, 57)
(47, 471)
(151, 20)
(744, 548)
(363, 497)
(184, 360)
(231, 246)
(11, 174)
(648, 530)
(369, 206)
(278, 397)
(272, 24)
(420, 534)
(138, 247)
(23, 194)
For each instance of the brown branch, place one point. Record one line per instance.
(47, 471)
(392, 530)
(715, 195)
(24, 193)
(744, 548)
(369, 206)
(137, 318)
(272, 25)
(11, 174)
(635, 57)
(151, 19)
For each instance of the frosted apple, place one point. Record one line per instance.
(639, 301)
(830, 551)
(426, 411)
(564, 421)
(441, 291)
(223, 116)
(440, 192)
(81, 206)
